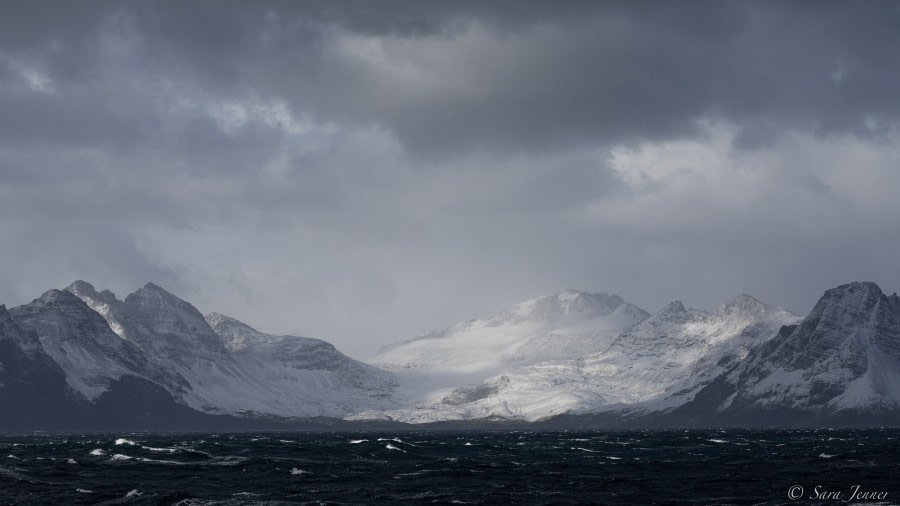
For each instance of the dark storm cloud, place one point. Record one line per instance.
(541, 75)
(361, 168)
(537, 76)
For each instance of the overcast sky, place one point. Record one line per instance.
(365, 171)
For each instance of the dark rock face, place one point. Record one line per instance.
(845, 318)
(465, 395)
(163, 324)
(82, 343)
(839, 365)
(33, 390)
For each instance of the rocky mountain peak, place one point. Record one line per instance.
(154, 299)
(550, 308)
(594, 303)
(843, 355)
(86, 291)
(54, 297)
(674, 309)
(674, 313)
(59, 313)
(742, 302)
(152, 291)
(857, 294)
(171, 327)
(79, 287)
(746, 306)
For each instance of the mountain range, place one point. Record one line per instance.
(81, 359)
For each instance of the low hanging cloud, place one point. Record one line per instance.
(362, 171)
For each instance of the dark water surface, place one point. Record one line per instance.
(607, 467)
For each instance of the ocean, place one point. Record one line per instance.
(823, 466)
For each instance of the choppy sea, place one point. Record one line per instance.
(838, 466)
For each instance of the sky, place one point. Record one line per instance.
(364, 171)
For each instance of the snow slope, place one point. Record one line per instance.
(564, 325)
(656, 364)
(305, 371)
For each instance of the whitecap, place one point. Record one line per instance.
(357, 441)
(97, 452)
(11, 456)
(403, 475)
(718, 441)
(825, 456)
(286, 441)
(468, 444)
(133, 493)
(392, 447)
(123, 441)
(119, 457)
(71, 461)
(586, 450)
(84, 491)
(396, 440)
(618, 458)
(152, 449)
(296, 471)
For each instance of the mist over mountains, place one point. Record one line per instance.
(82, 359)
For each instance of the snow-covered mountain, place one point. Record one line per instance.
(79, 359)
(844, 356)
(568, 324)
(233, 370)
(655, 364)
(80, 341)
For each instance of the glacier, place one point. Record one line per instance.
(656, 363)
(564, 325)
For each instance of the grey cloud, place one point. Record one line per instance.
(363, 171)
(546, 76)
(614, 72)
